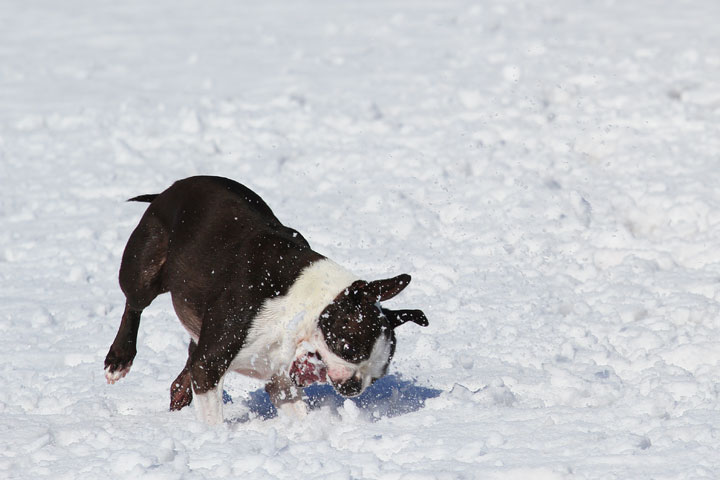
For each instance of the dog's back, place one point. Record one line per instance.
(204, 231)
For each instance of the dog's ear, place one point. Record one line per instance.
(398, 317)
(382, 290)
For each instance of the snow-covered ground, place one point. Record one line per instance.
(548, 172)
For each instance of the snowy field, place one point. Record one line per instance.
(548, 172)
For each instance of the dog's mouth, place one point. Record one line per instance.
(308, 369)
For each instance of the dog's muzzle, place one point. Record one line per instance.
(351, 387)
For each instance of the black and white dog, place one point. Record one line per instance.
(254, 297)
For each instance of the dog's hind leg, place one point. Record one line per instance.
(141, 281)
(181, 390)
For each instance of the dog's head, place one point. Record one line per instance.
(358, 334)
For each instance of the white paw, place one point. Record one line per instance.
(113, 377)
(297, 409)
(209, 405)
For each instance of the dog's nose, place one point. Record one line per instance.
(350, 388)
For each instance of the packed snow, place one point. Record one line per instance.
(547, 172)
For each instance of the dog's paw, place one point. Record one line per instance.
(113, 373)
(180, 392)
(208, 406)
(117, 366)
(295, 409)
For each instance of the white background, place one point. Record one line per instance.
(548, 172)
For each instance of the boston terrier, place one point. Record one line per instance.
(255, 299)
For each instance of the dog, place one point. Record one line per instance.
(255, 299)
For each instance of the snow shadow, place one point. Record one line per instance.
(390, 396)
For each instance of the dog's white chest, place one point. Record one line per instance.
(264, 354)
(284, 322)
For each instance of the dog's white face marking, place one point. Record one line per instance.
(375, 366)
(340, 370)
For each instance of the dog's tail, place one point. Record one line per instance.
(144, 198)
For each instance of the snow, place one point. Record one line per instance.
(546, 171)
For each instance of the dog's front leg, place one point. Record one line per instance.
(286, 396)
(208, 364)
(206, 379)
